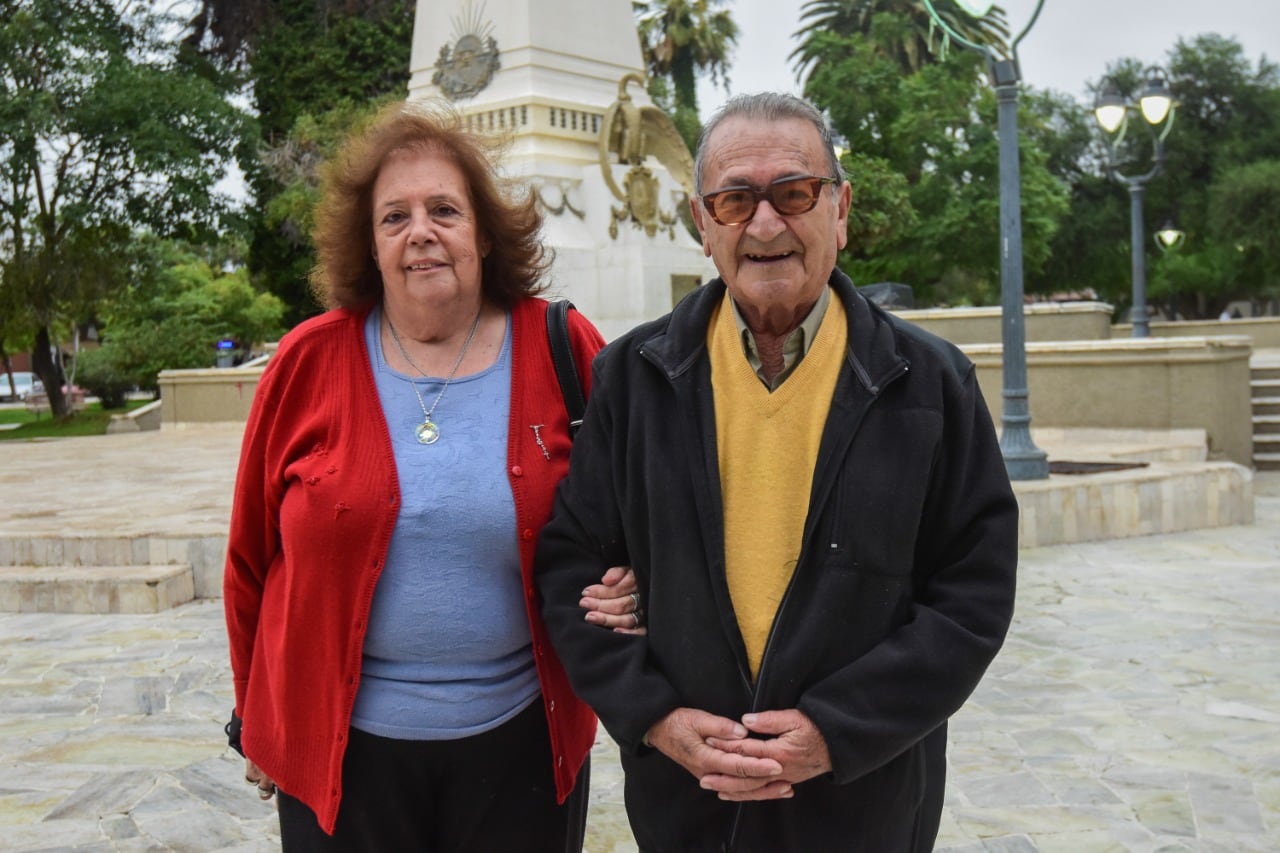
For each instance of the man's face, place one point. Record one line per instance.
(775, 266)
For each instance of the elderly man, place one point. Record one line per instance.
(815, 504)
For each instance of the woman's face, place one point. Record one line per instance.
(425, 238)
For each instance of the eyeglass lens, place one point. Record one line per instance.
(789, 197)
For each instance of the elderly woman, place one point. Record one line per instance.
(392, 674)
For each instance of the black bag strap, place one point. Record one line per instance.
(562, 358)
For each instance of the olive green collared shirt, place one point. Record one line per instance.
(793, 348)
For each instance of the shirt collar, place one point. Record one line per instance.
(794, 348)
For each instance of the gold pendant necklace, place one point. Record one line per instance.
(428, 432)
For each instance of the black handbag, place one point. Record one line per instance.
(562, 357)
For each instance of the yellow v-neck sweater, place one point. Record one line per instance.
(768, 446)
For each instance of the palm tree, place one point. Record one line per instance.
(680, 39)
(911, 46)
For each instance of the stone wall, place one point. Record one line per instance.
(1136, 383)
(1088, 380)
(1263, 331)
(207, 395)
(1057, 321)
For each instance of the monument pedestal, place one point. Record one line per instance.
(544, 73)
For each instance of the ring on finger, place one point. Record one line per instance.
(635, 601)
(635, 617)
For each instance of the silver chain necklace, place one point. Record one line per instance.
(428, 432)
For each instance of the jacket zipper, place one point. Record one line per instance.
(754, 690)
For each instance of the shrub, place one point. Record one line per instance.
(101, 373)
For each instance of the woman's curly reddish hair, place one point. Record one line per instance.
(506, 211)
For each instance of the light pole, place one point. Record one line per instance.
(1169, 236)
(1022, 459)
(1112, 110)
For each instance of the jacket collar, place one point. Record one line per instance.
(677, 344)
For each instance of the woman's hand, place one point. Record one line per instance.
(254, 776)
(615, 602)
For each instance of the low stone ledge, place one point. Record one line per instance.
(1135, 384)
(1158, 498)
(1053, 321)
(94, 589)
(142, 418)
(202, 555)
(207, 395)
(1122, 445)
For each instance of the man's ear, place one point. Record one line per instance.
(844, 199)
(697, 211)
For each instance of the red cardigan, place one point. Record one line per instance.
(316, 499)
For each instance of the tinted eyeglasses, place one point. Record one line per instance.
(788, 196)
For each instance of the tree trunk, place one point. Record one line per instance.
(6, 380)
(50, 373)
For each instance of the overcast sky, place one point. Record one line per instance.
(1069, 45)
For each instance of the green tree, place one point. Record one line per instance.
(1236, 256)
(104, 129)
(302, 57)
(1085, 256)
(1215, 184)
(1195, 284)
(912, 41)
(15, 334)
(294, 164)
(1244, 209)
(680, 39)
(925, 164)
(176, 310)
(1218, 183)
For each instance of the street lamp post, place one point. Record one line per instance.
(1112, 111)
(1022, 459)
(1169, 238)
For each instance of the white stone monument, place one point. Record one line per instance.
(550, 74)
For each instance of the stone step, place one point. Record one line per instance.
(1269, 388)
(1266, 443)
(204, 553)
(1271, 371)
(1263, 408)
(1161, 498)
(1266, 461)
(95, 589)
(1265, 425)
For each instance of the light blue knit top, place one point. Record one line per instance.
(448, 652)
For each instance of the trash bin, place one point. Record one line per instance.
(226, 353)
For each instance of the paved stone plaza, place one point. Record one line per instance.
(1134, 708)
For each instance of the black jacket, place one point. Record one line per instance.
(901, 597)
